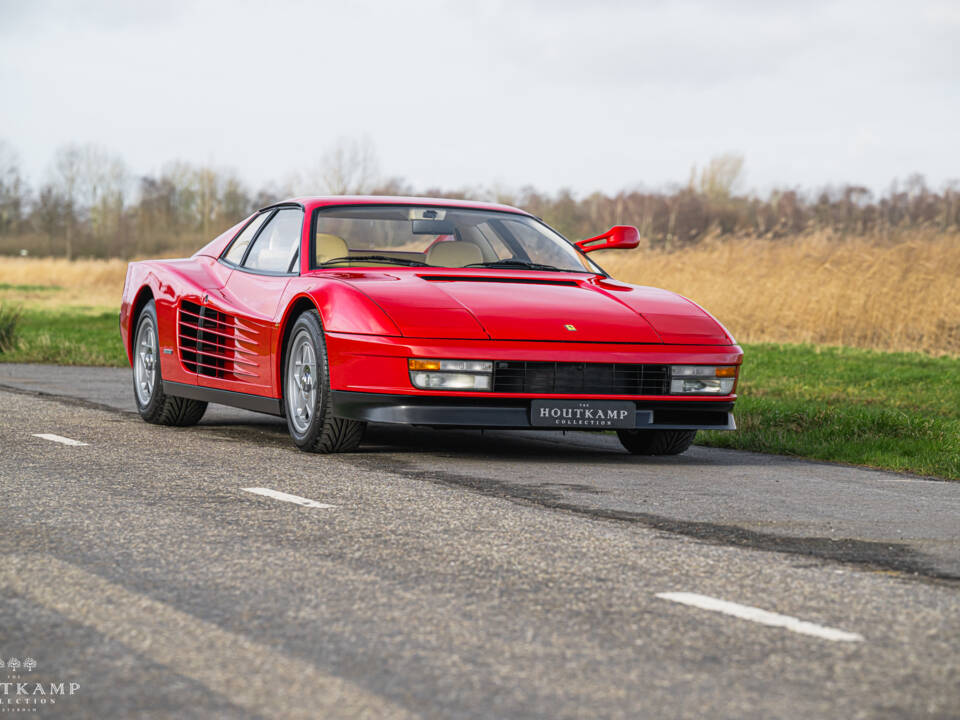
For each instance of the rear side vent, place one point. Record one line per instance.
(211, 343)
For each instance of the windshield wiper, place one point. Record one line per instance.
(515, 263)
(374, 258)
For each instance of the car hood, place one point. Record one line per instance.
(537, 306)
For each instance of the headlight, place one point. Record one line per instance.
(702, 379)
(451, 374)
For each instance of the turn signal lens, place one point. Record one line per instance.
(727, 371)
(451, 374)
(417, 364)
(471, 366)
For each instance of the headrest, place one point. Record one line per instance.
(454, 253)
(328, 247)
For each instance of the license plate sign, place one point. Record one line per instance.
(586, 414)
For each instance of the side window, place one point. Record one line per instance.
(278, 243)
(239, 247)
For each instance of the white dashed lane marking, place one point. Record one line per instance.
(764, 617)
(277, 495)
(58, 439)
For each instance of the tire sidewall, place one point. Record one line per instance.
(656, 442)
(156, 397)
(309, 322)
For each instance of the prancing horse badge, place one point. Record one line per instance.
(571, 328)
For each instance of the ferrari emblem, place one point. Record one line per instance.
(571, 328)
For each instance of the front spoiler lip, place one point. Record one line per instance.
(474, 412)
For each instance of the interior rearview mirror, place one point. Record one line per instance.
(619, 236)
(433, 227)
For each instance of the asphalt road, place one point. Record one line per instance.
(454, 574)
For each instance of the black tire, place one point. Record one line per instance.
(315, 429)
(153, 404)
(656, 442)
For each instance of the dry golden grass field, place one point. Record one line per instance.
(53, 282)
(901, 294)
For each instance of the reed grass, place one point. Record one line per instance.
(898, 294)
(56, 282)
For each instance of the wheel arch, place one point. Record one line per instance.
(143, 296)
(299, 305)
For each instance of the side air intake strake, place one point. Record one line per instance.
(213, 343)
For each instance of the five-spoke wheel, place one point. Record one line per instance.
(302, 381)
(154, 405)
(306, 392)
(145, 360)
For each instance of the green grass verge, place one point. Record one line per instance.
(30, 288)
(69, 336)
(897, 411)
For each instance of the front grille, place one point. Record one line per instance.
(580, 378)
(210, 343)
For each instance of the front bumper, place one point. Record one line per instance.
(514, 413)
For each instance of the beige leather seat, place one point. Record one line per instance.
(454, 253)
(328, 247)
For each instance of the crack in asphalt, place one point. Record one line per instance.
(882, 556)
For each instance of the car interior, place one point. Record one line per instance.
(442, 251)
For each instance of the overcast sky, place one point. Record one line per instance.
(587, 94)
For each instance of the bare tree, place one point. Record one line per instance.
(93, 185)
(348, 167)
(67, 171)
(393, 186)
(721, 177)
(13, 191)
(235, 199)
(49, 215)
(105, 182)
(208, 192)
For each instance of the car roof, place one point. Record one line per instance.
(314, 201)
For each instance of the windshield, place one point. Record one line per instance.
(439, 237)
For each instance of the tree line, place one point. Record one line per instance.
(91, 205)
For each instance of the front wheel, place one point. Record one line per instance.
(656, 442)
(306, 393)
(154, 405)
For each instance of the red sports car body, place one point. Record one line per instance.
(337, 311)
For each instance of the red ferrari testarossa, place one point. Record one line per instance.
(338, 311)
